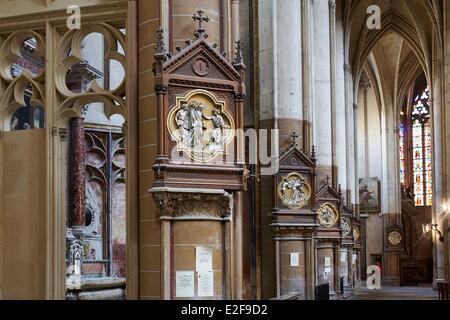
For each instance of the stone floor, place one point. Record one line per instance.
(395, 293)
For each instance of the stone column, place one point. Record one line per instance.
(281, 105)
(77, 174)
(351, 187)
(181, 23)
(440, 250)
(308, 75)
(335, 142)
(281, 68)
(323, 75)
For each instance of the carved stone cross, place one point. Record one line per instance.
(294, 137)
(200, 18)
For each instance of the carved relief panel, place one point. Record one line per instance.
(294, 189)
(329, 213)
(200, 100)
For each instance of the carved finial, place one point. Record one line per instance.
(340, 190)
(160, 43)
(313, 153)
(294, 137)
(238, 58)
(327, 179)
(200, 18)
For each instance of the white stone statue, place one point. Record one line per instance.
(182, 119)
(217, 141)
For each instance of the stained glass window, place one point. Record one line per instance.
(421, 151)
(402, 152)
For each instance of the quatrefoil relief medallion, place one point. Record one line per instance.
(201, 126)
(395, 238)
(328, 215)
(294, 191)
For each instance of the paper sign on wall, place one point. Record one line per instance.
(343, 256)
(327, 262)
(205, 282)
(184, 282)
(354, 258)
(295, 259)
(327, 270)
(203, 259)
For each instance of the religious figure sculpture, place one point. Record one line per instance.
(216, 141)
(293, 191)
(327, 215)
(198, 126)
(184, 125)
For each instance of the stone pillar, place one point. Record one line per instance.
(351, 186)
(291, 278)
(281, 68)
(440, 250)
(322, 89)
(194, 220)
(281, 105)
(308, 75)
(332, 17)
(77, 174)
(181, 23)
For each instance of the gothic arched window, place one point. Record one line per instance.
(417, 123)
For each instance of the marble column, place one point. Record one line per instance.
(77, 173)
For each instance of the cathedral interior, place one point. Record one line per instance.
(224, 149)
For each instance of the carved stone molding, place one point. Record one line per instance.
(188, 204)
(281, 232)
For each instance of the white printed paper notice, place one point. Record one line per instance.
(295, 259)
(327, 262)
(184, 284)
(343, 256)
(205, 281)
(203, 259)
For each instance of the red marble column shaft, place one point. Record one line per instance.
(77, 173)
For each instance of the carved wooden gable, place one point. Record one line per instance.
(294, 182)
(200, 110)
(329, 212)
(347, 226)
(295, 188)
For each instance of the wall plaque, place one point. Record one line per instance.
(184, 282)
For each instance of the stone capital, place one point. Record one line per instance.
(190, 204)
